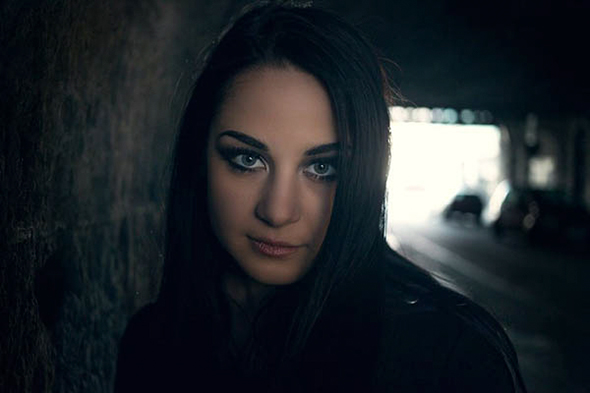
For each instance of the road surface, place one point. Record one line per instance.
(541, 295)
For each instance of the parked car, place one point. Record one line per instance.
(541, 215)
(465, 205)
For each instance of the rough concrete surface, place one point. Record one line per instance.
(90, 95)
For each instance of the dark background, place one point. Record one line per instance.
(90, 95)
(505, 56)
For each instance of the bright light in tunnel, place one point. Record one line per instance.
(430, 163)
(450, 116)
(467, 116)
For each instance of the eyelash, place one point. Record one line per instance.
(331, 161)
(230, 154)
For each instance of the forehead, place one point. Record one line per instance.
(279, 105)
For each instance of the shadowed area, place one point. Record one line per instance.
(92, 92)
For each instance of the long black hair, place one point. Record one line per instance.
(333, 52)
(342, 285)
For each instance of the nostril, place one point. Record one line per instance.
(277, 211)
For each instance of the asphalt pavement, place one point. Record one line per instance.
(540, 294)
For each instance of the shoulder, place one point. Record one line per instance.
(436, 340)
(438, 351)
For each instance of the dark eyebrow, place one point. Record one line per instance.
(323, 149)
(259, 145)
(245, 139)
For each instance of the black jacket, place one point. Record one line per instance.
(423, 347)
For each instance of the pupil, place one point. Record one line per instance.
(247, 160)
(321, 168)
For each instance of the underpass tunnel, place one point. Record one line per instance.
(523, 170)
(435, 156)
(439, 153)
(91, 95)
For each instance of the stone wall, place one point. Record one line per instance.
(91, 93)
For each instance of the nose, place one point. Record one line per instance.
(279, 202)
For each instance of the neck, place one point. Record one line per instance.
(245, 292)
(246, 299)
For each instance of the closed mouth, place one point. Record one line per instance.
(275, 249)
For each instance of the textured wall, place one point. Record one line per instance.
(89, 96)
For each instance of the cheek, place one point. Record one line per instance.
(229, 201)
(323, 203)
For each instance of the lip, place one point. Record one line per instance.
(274, 249)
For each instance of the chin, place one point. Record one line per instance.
(275, 273)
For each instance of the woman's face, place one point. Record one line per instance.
(271, 160)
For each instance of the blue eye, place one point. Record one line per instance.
(249, 161)
(321, 170)
(241, 159)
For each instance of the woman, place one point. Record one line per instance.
(277, 276)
